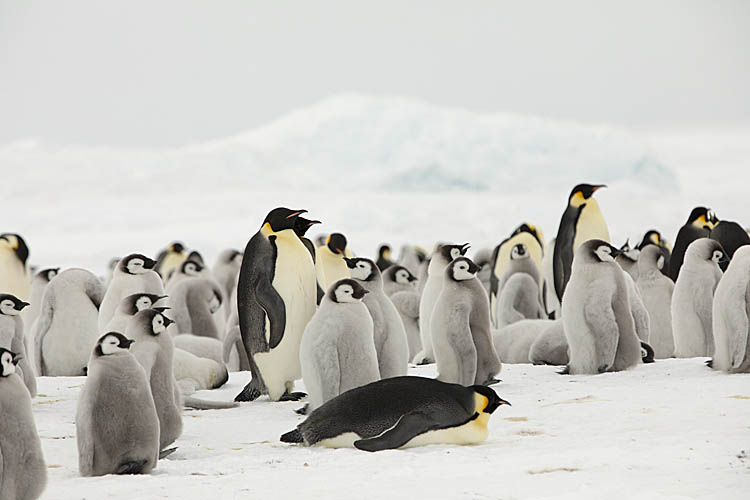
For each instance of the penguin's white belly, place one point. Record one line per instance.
(590, 226)
(332, 268)
(345, 440)
(474, 431)
(14, 278)
(71, 337)
(295, 281)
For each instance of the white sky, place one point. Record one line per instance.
(160, 73)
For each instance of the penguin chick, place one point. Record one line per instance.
(189, 269)
(12, 337)
(513, 342)
(117, 428)
(398, 285)
(38, 285)
(130, 306)
(133, 274)
(461, 333)
(390, 337)
(596, 313)
(628, 259)
(692, 300)
(654, 237)
(329, 260)
(731, 310)
(483, 258)
(337, 351)
(656, 292)
(550, 346)
(193, 303)
(519, 296)
(24, 473)
(226, 270)
(400, 412)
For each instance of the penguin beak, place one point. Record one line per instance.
(594, 189)
(158, 298)
(17, 358)
(311, 223)
(125, 344)
(149, 264)
(503, 402)
(22, 305)
(473, 268)
(167, 321)
(296, 214)
(349, 263)
(616, 252)
(411, 278)
(360, 293)
(161, 309)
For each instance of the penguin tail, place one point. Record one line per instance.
(293, 436)
(132, 467)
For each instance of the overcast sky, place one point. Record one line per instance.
(162, 73)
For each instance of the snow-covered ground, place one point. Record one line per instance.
(670, 430)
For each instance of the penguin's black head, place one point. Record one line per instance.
(191, 268)
(48, 274)
(346, 291)
(8, 362)
(196, 256)
(531, 229)
(362, 269)
(301, 225)
(336, 243)
(384, 252)
(137, 302)
(401, 275)
(176, 247)
(112, 343)
(583, 192)
(10, 305)
(136, 263)
(281, 218)
(493, 400)
(652, 237)
(598, 251)
(152, 321)
(451, 252)
(18, 244)
(462, 269)
(519, 251)
(701, 217)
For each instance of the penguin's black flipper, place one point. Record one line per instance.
(408, 427)
(274, 307)
(563, 256)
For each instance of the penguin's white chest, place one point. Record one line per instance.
(590, 225)
(14, 277)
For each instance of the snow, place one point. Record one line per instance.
(670, 430)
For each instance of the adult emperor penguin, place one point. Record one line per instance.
(15, 274)
(154, 350)
(731, 310)
(698, 225)
(193, 303)
(398, 285)
(400, 412)
(519, 295)
(329, 260)
(581, 221)
(460, 328)
(12, 337)
(656, 292)
(434, 284)
(133, 274)
(130, 306)
(337, 351)
(391, 345)
(117, 427)
(66, 329)
(170, 259)
(384, 257)
(596, 313)
(692, 300)
(276, 297)
(38, 285)
(731, 236)
(23, 473)
(226, 270)
(628, 259)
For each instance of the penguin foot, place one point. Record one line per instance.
(167, 452)
(602, 368)
(425, 361)
(491, 381)
(292, 396)
(564, 371)
(710, 363)
(249, 393)
(303, 410)
(647, 353)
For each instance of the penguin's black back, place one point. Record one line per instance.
(731, 236)
(563, 257)
(686, 235)
(373, 408)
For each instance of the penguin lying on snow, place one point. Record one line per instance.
(400, 412)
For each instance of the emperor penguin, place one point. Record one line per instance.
(38, 285)
(329, 260)
(412, 257)
(117, 427)
(188, 269)
(130, 306)
(698, 225)
(434, 284)
(692, 300)
(12, 337)
(193, 303)
(519, 295)
(170, 259)
(400, 412)
(276, 297)
(628, 259)
(155, 352)
(731, 310)
(301, 226)
(731, 236)
(15, 274)
(398, 285)
(111, 266)
(551, 302)
(533, 240)
(24, 473)
(391, 345)
(656, 292)
(384, 257)
(581, 221)
(66, 329)
(483, 258)
(596, 313)
(513, 342)
(654, 237)
(337, 351)
(550, 346)
(133, 274)
(226, 270)
(460, 328)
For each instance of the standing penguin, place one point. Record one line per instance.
(66, 329)
(483, 258)
(329, 260)
(692, 300)
(226, 270)
(117, 428)
(301, 226)
(12, 337)
(656, 292)
(412, 257)
(384, 257)
(581, 221)
(398, 285)
(193, 303)
(628, 259)
(276, 297)
(698, 225)
(130, 306)
(337, 351)
(519, 296)
(390, 337)
(654, 237)
(596, 313)
(434, 284)
(38, 285)
(731, 236)
(731, 310)
(154, 350)
(15, 274)
(23, 473)
(460, 328)
(133, 274)
(170, 259)
(188, 269)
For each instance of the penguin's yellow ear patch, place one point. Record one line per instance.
(480, 402)
(266, 229)
(577, 199)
